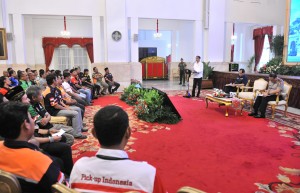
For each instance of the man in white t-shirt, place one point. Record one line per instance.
(198, 74)
(111, 170)
(73, 93)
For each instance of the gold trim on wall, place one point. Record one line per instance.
(3, 44)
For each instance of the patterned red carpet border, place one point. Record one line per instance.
(288, 180)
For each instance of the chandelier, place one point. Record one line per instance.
(157, 35)
(65, 33)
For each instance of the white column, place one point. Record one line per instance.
(18, 26)
(29, 41)
(134, 26)
(173, 46)
(198, 38)
(96, 21)
(117, 51)
(228, 34)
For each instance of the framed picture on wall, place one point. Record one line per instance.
(3, 48)
(291, 53)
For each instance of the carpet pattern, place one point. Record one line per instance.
(89, 146)
(153, 142)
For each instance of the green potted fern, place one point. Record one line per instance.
(207, 75)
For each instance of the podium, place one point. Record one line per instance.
(154, 67)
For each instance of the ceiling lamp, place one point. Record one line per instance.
(157, 35)
(65, 33)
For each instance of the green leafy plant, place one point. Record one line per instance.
(207, 70)
(148, 105)
(251, 61)
(276, 45)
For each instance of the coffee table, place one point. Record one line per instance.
(224, 101)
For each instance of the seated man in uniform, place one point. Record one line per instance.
(275, 87)
(241, 80)
(36, 172)
(111, 170)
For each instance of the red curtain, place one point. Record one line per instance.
(50, 43)
(90, 51)
(268, 31)
(258, 45)
(259, 37)
(48, 51)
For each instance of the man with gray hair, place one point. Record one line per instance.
(36, 109)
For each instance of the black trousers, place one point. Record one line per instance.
(261, 103)
(110, 85)
(97, 89)
(62, 151)
(182, 77)
(229, 89)
(196, 82)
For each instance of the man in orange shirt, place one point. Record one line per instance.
(35, 171)
(4, 85)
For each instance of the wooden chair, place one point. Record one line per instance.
(243, 88)
(9, 183)
(187, 189)
(285, 99)
(258, 86)
(60, 188)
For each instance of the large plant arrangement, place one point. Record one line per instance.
(275, 65)
(277, 45)
(207, 70)
(148, 105)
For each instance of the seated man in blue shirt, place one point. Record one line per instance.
(241, 80)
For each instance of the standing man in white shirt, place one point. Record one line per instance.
(198, 74)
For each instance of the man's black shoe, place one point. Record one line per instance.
(259, 116)
(252, 114)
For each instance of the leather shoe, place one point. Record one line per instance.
(84, 130)
(252, 114)
(81, 137)
(259, 116)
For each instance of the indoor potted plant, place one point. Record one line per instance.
(207, 75)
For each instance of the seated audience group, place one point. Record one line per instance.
(39, 153)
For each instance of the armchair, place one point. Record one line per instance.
(258, 86)
(187, 189)
(9, 183)
(60, 188)
(285, 99)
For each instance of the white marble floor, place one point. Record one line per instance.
(174, 85)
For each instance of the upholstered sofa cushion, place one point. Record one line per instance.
(274, 103)
(246, 95)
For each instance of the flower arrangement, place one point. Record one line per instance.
(219, 93)
(148, 105)
(275, 65)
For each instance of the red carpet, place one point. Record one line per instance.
(209, 151)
